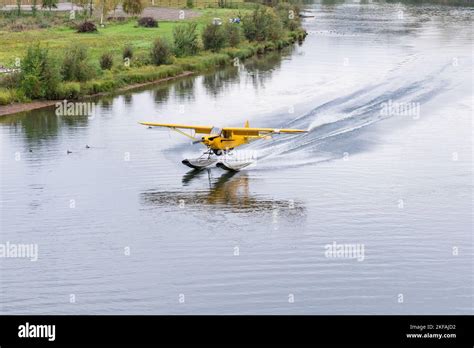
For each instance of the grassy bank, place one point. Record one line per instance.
(113, 38)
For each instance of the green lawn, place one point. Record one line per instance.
(112, 38)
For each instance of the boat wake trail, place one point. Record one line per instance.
(336, 127)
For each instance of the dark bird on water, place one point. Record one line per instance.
(68, 152)
(87, 146)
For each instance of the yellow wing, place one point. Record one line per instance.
(257, 132)
(227, 132)
(197, 129)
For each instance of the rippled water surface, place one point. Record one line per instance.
(127, 229)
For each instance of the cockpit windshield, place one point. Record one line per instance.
(216, 130)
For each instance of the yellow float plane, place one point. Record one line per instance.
(220, 141)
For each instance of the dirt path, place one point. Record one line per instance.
(162, 13)
(158, 13)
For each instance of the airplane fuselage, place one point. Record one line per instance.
(217, 142)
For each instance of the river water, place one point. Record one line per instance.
(122, 227)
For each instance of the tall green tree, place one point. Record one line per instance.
(133, 7)
(262, 24)
(40, 73)
(103, 6)
(84, 4)
(114, 4)
(76, 65)
(213, 37)
(186, 39)
(34, 7)
(50, 4)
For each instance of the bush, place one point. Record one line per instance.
(232, 34)
(241, 52)
(68, 90)
(160, 52)
(106, 61)
(262, 24)
(99, 86)
(11, 80)
(148, 73)
(40, 74)
(127, 52)
(297, 35)
(32, 87)
(186, 40)
(289, 17)
(86, 27)
(213, 37)
(270, 46)
(133, 7)
(147, 22)
(50, 4)
(76, 66)
(17, 27)
(7, 96)
(141, 59)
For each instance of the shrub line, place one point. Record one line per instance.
(15, 108)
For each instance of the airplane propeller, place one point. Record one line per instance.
(197, 141)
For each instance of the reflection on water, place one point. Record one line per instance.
(43, 128)
(258, 71)
(128, 98)
(229, 192)
(106, 103)
(184, 89)
(219, 82)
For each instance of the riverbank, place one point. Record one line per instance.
(147, 75)
(16, 108)
(137, 71)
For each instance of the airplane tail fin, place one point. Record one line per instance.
(246, 125)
